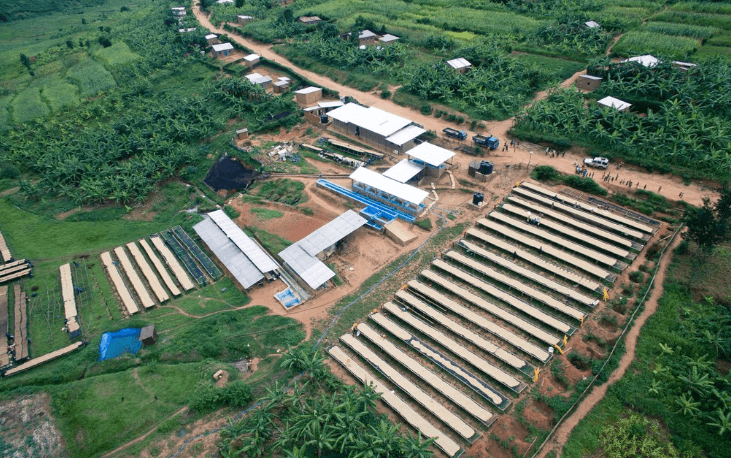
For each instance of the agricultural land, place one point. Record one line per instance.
(541, 309)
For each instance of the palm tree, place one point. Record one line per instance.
(723, 423)
(687, 406)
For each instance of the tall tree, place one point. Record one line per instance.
(709, 225)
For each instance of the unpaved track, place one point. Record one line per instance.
(665, 185)
(561, 436)
(144, 436)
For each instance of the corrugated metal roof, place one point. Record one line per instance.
(332, 232)
(336, 103)
(591, 24)
(431, 154)
(376, 180)
(403, 171)
(388, 38)
(614, 103)
(223, 47)
(313, 271)
(261, 259)
(373, 119)
(308, 90)
(459, 62)
(251, 57)
(591, 77)
(405, 134)
(211, 36)
(366, 34)
(243, 270)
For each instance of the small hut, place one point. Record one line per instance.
(148, 335)
(588, 82)
(242, 134)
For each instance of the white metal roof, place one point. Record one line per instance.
(259, 257)
(591, 24)
(251, 57)
(375, 180)
(211, 36)
(431, 154)
(313, 271)
(332, 232)
(308, 90)
(256, 78)
(243, 270)
(281, 83)
(405, 134)
(647, 60)
(403, 171)
(372, 119)
(388, 38)
(283, 78)
(684, 64)
(223, 47)
(178, 8)
(221, 2)
(333, 104)
(244, 16)
(608, 101)
(366, 34)
(190, 29)
(459, 62)
(590, 77)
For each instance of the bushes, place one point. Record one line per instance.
(545, 173)
(425, 223)
(230, 212)
(207, 397)
(585, 184)
(425, 109)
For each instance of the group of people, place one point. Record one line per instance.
(536, 220)
(553, 153)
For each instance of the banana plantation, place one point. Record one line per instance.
(685, 124)
(347, 55)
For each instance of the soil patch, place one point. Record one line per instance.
(28, 429)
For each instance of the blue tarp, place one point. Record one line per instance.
(114, 344)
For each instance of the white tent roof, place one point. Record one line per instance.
(611, 102)
(388, 38)
(211, 36)
(223, 47)
(308, 90)
(178, 8)
(684, 64)
(591, 24)
(373, 119)
(405, 134)
(459, 62)
(244, 16)
(222, 2)
(251, 57)
(375, 180)
(431, 154)
(366, 34)
(403, 171)
(243, 270)
(647, 60)
(258, 256)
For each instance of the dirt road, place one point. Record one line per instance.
(666, 185)
(561, 436)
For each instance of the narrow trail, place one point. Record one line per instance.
(144, 436)
(562, 434)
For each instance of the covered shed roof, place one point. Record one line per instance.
(243, 270)
(313, 271)
(332, 232)
(611, 102)
(308, 90)
(406, 134)
(211, 36)
(223, 47)
(371, 118)
(257, 78)
(431, 154)
(366, 34)
(388, 38)
(252, 251)
(403, 171)
(592, 24)
(252, 57)
(332, 104)
(375, 180)
(459, 62)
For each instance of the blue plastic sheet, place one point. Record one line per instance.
(114, 344)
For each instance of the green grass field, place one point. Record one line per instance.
(28, 106)
(117, 54)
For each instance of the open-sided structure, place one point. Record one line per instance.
(390, 192)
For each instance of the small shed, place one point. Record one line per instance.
(307, 96)
(178, 10)
(252, 60)
(243, 19)
(223, 49)
(309, 20)
(646, 60)
(242, 134)
(588, 82)
(261, 80)
(225, 2)
(148, 335)
(189, 29)
(366, 37)
(387, 39)
(212, 39)
(281, 86)
(611, 102)
(592, 25)
(460, 64)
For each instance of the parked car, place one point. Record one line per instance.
(598, 162)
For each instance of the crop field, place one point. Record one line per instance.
(28, 106)
(117, 54)
(91, 79)
(638, 42)
(59, 94)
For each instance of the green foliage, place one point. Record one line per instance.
(571, 38)
(207, 397)
(545, 173)
(636, 436)
(60, 94)
(230, 212)
(116, 54)
(641, 42)
(424, 223)
(550, 174)
(263, 214)
(28, 106)
(272, 242)
(91, 79)
(687, 30)
(636, 276)
(102, 214)
(710, 224)
(283, 190)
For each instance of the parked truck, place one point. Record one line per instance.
(489, 141)
(454, 133)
